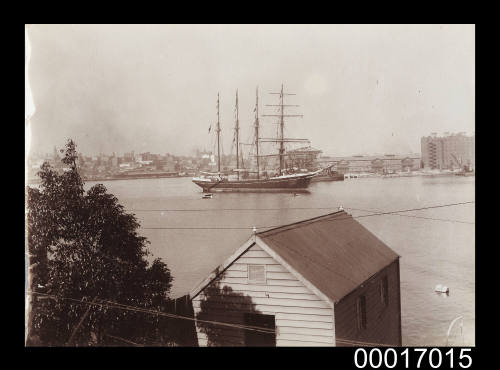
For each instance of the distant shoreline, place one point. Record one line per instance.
(348, 176)
(139, 177)
(114, 178)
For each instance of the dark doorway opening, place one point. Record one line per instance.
(254, 338)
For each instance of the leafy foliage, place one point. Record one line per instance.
(84, 246)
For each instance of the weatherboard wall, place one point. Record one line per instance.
(301, 317)
(383, 322)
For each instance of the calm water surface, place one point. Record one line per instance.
(432, 251)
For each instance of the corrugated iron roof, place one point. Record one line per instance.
(334, 252)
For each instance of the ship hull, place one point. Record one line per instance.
(297, 183)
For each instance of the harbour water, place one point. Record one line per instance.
(194, 235)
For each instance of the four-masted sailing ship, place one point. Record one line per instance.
(284, 181)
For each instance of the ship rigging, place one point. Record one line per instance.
(283, 181)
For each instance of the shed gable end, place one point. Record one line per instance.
(301, 317)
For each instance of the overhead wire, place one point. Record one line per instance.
(415, 216)
(247, 327)
(397, 212)
(169, 315)
(149, 311)
(125, 340)
(361, 343)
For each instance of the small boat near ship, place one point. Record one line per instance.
(285, 180)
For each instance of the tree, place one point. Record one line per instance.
(84, 247)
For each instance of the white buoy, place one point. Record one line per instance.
(442, 289)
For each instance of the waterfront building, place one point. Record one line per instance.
(449, 151)
(129, 157)
(305, 157)
(169, 167)
(325, 281)
(104, 159)
(383, 163)
(144, 162)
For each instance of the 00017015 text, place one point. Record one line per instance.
(388, 358)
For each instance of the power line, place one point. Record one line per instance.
(153, 312)
(335, 219)
(280, 208)
(225, 209)
(417, 209)
(437, 219)
(246, 327)
(360, 343)
(202, 228)
(414, 216)
(160, 313)
(125, 340)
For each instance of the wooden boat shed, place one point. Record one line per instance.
(325, 281)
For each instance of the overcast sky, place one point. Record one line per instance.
(361, 88)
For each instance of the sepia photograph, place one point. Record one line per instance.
(250, 185)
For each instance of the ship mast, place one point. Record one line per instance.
(237, 130)
(281, 138)
(282, 126)
(257, 128)
(218, 135)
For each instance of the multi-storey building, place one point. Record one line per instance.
(449, 151)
